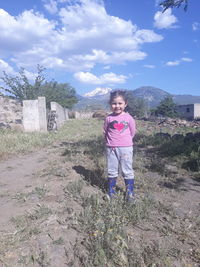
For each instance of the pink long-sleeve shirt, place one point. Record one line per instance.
(119, 130)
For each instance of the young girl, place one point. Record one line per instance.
(119, 130)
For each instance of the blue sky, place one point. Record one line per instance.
(106, 44)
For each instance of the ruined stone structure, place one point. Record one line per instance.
(61, 113)
(32, 115)
(35, 115)
(10, 114)
(80, 115)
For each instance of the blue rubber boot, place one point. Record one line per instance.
(129, 190)
(111, 187)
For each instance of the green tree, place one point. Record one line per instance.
(166, 108)
(136, 106)
(174, 3)
(62, 93)
(20, 88)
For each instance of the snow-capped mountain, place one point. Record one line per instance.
(99, 91)
(151, 95)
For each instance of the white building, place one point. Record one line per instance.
(190, 111)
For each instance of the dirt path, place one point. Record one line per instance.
(32, 200)
(17, 177)
(37, 210)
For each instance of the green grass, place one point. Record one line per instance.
(183, 150)
(13, 142)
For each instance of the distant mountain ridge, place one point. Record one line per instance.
(150, 94)
(186, 99)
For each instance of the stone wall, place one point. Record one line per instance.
(10, 114)
(61, 113)
(34, 115)
(81, 115)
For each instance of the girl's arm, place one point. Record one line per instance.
(105, 126)
(132, 126)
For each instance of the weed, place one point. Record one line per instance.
(41, 213)
(186, 148)
(21, 197)
(104, 222)
(154, 166)
(41, 259)
(39, 191)
(58, 241)
(74, 188)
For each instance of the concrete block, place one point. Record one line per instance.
(42, 113)
(60, 113)
(31, 116)
(34, 115)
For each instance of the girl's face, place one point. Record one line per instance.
(118, 105)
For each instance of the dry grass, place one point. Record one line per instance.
(13, 142)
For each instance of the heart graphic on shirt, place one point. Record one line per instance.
(119, 126)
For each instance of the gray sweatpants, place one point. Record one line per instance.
(120, 157)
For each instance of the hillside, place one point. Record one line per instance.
(186, 99)
(151, 95)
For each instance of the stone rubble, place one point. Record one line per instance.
(10, 114)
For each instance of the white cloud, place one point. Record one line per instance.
(30, 75)
(99, 56)
(147, 36)
(173, 63)
(149, 66)
(106, 78)
(187, 59)
(86, 77)
(195, 26)
(51, 6)
(23, 33)
(106, 67)
(83, 35)
(157, 2)
(4, 66)
(164, 20)
(178, 62)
